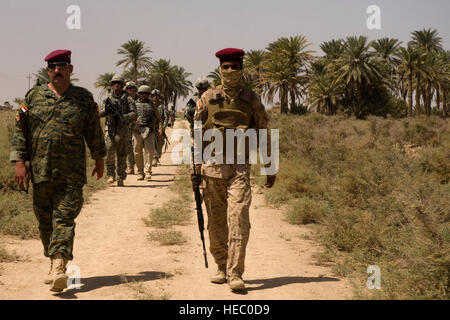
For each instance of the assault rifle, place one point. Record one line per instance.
(198, 202)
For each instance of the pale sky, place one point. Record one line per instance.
(187, 32)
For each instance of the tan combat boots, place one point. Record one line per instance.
(59, 270)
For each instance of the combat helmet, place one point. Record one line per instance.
(130, 84)
(202, 84)
(117, 78)
(156, 92)
(144, 89)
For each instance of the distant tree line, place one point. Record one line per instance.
(356, 76)
(139, 67)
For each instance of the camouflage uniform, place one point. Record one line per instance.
(145, 135)
(227, 192)
(117, 131)
(59, 129)
(189, 111)
(131, 161)
(160, 139)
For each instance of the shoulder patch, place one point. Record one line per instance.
(23, 108)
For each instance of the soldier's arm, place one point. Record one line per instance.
(102, 111)
(92, 131)
(18, 151)
(201, 111)
(261, 120)
(131, 116)
(157, 115)
(166, 118)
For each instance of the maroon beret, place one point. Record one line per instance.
(58, 56)
(230, 54)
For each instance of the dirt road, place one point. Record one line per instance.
(116, 260)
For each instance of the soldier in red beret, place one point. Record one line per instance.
(227, 192)
(55, 123)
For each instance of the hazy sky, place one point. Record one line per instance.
(187, 32)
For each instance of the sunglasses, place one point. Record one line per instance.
(144, 93)
(60, 65)
(117, 82)
(231, 66)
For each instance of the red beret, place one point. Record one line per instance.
(230, 54)
(58, 56)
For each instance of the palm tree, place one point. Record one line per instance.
(294, 50)
(277, 76)
(135, 57)
(161, 76)
(253, 69)
(333, 49)
(182, 86)
(430, 43)
(104, 82)
(407, 68)
(215, 76)
(324, 94)
(358, 68)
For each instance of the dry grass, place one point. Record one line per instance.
(379, 190)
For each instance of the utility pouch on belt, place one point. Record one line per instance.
(232, 119)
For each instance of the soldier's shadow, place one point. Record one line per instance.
(93, 283)
(282, 281)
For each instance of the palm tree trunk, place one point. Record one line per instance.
(418, 95)
(444, 104)
(438, 99)
(410, 96)
(292, 94)
(429, 98)
(283, 99)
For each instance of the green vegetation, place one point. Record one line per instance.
(138, 66)
(378, 191)
(167, 237)
(353, 76)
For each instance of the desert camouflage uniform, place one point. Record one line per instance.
(227, 192)
(131, 161)
(117, 132)
(160, 139)
(145, 135)
(59, 129)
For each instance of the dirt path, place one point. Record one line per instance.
(117, 261)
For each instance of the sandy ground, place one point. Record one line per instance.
(116, 260)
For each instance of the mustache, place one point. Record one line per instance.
(58, 75)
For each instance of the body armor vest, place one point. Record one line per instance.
(235, 114)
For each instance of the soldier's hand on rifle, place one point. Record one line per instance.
(22, 175)
(270, 181)
(99, 168)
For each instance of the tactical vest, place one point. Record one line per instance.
(235, 114)
(146, 114)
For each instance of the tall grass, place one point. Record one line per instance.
(380, 191)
